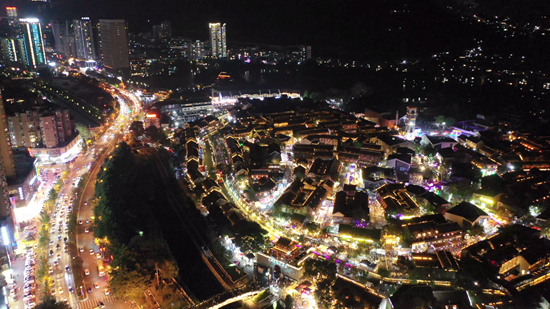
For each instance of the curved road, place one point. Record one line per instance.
(88, 250)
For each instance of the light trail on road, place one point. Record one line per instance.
(236, 299)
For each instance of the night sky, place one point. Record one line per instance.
(343, 28)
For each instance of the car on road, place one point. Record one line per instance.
(52, 291)
(29, 296)
(67, 268)
(92, 252)
(28, 275)
(87, 230)
(56, 263)
(106, 292)
(81, 249)
(101, 304)
(30, 287)
(80, 222)
(86, 272)
(90, 290)
(51, 252)
(60, 291)
(96, 285)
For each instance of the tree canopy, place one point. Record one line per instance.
(49, 302)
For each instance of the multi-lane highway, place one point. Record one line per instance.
(59, 254)
(94, 292)
(95, 284)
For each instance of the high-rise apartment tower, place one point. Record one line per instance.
(33, 43)
(114, 46)
(218, 42)
(84, 39)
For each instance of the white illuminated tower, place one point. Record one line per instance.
(218, 41)
(411, 122)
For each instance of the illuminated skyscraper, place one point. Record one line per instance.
(218, 42)
(305, 53)
(162, 31)
(114, 45)
(60, 36)
(84, 39)
(11, 12)
(196, 50)
(34, 46)
(11, 49)
(64, 38)
(166, 29)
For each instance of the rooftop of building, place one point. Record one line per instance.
(406, 294)
(355, 291)
(391, 140)
(437, 218)
(323, 167)
(434, 140)
(348, 205)
(432, 226)
(468, 211)
(401, 157)
(515, 235)
(439, 259)
(347, 230)
(446, 153)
